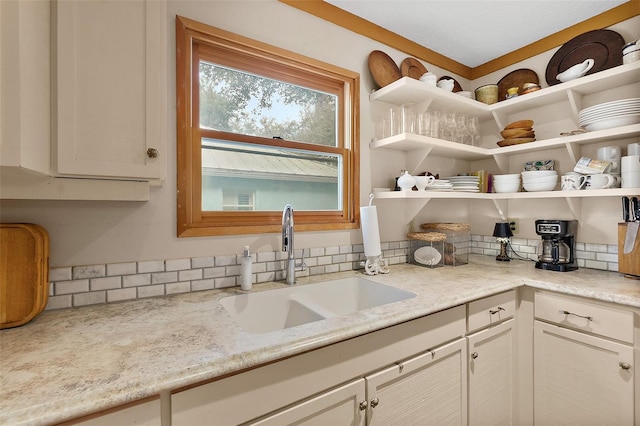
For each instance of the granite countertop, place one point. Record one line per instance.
(72, 362)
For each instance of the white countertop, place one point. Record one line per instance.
(72, 362)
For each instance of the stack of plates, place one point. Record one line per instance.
(610, 114)
(465, 183)
(440, 185)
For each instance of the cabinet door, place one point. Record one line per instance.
(491, 376)
(429, 389)
(340, 406)
(144, 414)
(581, 379)
(111, 88)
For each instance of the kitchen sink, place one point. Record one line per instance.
(272, 310)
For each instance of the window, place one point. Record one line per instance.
(260, 127)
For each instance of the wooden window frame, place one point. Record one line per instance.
(192, 221)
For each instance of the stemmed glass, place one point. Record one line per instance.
(473, 129)
(448, 126)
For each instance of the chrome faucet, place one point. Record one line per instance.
(287, 245)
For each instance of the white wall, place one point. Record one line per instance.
(107, 232)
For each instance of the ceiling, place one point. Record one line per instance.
(474, 32)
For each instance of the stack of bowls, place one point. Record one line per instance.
(506, 183)
(539, 180)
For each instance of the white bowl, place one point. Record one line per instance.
(538, 173)
(535, 187)
(511, 176)
(507, 187)
(543, 179)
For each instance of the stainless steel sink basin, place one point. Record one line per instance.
(279, 309)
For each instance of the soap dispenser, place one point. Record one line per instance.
(245, 270)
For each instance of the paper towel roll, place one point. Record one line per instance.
(370, 231)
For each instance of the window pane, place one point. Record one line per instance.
(242, 177)
(243, 103)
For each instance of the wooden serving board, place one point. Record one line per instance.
(24, 273)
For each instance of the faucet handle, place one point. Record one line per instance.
(302, 265)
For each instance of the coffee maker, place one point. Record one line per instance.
(557, 250)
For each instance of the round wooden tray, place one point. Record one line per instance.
(383, 69)
(603, 46)
(516, 79)
(515, 141)
(413, 68)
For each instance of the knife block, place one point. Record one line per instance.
(628, 264)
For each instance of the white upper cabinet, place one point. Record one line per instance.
(25, 87)
(110, 83)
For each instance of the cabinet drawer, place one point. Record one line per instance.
(585, 316)
(491, 310)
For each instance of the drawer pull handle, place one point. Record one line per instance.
(625, 366)
(500, 308)
(589, 318)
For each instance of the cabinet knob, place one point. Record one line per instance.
(363, 405)
(625, 366)
(474, 355)
(152, 153)
(375, 402)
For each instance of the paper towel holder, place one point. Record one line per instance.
(374, 264)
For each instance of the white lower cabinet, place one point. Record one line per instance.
(344, 405)
(142, 414)
(429, 389)
(411, 373)
(491, 375)
(581, 378)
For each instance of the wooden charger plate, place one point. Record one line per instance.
(516, 79)
(603, 46)
(383, 69)
(411, 67)
(515, 141)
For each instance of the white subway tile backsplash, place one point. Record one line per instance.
(107, 283)
(151, 266)
(60, 274)
(151, 291)
(91, 298)
(71, 287)
(93, 284)
(89, 271)
(177, 264)
(127, 268)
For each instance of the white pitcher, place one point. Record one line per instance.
(576, 71)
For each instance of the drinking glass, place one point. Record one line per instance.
(473, 129)
(448, 126)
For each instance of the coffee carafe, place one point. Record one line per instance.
(556, 251)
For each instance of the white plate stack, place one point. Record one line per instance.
(610, 114)
(465, 183)
(440, 185)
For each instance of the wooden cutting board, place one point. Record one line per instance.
(24, 272)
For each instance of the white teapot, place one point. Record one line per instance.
(406, 182)
(576, 71)
(446, 84)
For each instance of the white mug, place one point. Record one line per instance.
(633, 149)
(611, 154)
(573, 181)
(630, 163)
(601, 181)
(630, 179)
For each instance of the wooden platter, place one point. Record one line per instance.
(24, 273)
(515, 141)
(413, 68)
(516, 79)
(603, 46)
(383, 69)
